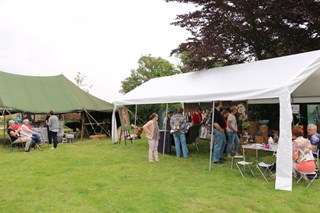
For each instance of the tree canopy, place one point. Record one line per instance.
(148, 67)
(225, 32)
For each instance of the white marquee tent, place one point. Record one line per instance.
(294, 77)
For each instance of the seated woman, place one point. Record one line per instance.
(303, 160)
(28, 132)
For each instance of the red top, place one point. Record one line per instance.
(196, 118)
(226, 121)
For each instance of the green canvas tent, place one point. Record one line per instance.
(35, 94)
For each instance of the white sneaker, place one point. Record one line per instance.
(53, 148)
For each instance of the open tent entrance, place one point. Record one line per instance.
(90, 123)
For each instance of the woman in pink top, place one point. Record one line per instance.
(152, 133)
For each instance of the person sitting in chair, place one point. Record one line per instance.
(314, 138)
(26, 131)
(16, 137)
(302, 152)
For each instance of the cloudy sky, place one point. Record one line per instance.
(101, 39)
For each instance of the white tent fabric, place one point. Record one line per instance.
(283, 78)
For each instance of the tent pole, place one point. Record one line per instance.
(165, 131)
(211, 138)
(82, 125)
(4, 125)
(135, 125)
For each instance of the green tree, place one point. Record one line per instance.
(80, 82)
(148, 67)
(225, 32)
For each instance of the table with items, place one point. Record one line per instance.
(257, 147)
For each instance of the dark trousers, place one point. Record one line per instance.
(55, 139)
(49, 136)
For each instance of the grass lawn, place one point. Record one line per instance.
(93, 176)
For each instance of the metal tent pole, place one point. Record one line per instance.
(165, 132)
(135, 125)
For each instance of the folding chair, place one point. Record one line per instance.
(266, 167)
(18, 143)
(244, 164)
(306, 175)
(235, 158)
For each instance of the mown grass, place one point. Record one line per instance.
(104, 177)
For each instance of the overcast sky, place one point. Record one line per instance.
(101, 39)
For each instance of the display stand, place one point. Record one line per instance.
(126, 135)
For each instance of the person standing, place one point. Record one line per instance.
(152, 133)
(218, 132)
(232, 131)
(197, 116)
(178, 125)
(225, 114)
(53, 124)
(48, 131)
(166, 122)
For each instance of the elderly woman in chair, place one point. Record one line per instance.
(16, 137)
(303, 160)
(28, 132)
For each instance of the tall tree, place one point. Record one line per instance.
(225, 32)
(148, 67)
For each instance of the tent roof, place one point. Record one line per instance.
(34, 94)
(256, 80)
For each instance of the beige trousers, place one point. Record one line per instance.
(26, 140)
(153, 150)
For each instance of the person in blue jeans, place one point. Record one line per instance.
(218, 131)
(232, 131)
(178, 129)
